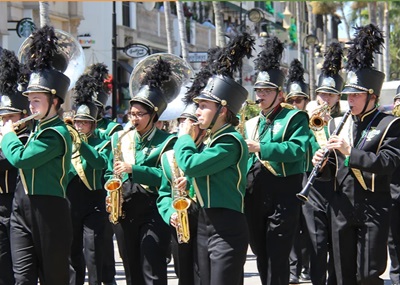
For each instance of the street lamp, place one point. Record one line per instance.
(311, 41)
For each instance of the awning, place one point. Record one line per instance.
(128, 68)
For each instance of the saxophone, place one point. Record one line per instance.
(180, 203)
(114, 186)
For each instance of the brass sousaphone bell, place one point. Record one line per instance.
(71, 51)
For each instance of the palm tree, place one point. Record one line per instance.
(182, 31)
(219, 28)
(44, 13)
(168, 26)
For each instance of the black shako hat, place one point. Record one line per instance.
(47, 64)
(100, 72)
(85, 88)
(221, 88)
(296, 85)
(268, 65)
(397, 96)
(13, 79)
(330, 80)
(362, 77)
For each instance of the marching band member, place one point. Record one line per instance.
(316, 210)
(218, 170)
(363, 157)
(277, 140)
(184, 253)
(85, 190)
(298, 96)
(41, 230)
(144, 238)
(13, 107)
(394, 232)
(105, 127)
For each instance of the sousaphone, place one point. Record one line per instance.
(182, 72)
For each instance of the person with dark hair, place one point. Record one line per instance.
(362, 159)
(13, 107)
(41, 230)
(298, 96)
(217, 171)
(105, 128)
(144, 237)
(317, 209)
(85, 190)
(277, 140)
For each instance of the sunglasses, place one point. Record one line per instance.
(297, 100)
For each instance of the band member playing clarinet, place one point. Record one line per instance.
(85, 190)
(13, 107)
(362, 160)
(41, 230)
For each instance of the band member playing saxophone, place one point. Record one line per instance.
(184, 252)
(85, 188)
(144, 238)
(41, 231)
(362, 160)
(277, 140)
(13, 107)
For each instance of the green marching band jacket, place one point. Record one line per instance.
(164, 200)
(144, 154)
(45, 160)
(105, 128)
(8, 173)
(90, 162)
(218, 172)
(283, 146)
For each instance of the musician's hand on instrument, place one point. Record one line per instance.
(7, 127)
(253, 145)
(318, 156)
(180, 183)
(122, 167)
(339, 144)
(174, 220)
(185, 128)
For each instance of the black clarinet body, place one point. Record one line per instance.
(303, 195)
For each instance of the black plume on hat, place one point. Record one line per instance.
(268, 64)
(100, 72)
(85, 87)
(296, 85)
(221, 87)
(330, 80)
(362, 77)
(47, 64)
(13, 77)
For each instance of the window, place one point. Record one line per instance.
(126, 17)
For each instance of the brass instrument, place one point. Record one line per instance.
(396, 110)
(76, 136)
(303, 195)
(114, 186)
(20, 122)
(180, 202)
(317, 121)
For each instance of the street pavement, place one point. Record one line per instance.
(250, 271)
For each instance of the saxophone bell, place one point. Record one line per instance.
(181, 204)
(317, 120)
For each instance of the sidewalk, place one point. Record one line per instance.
(250, 271)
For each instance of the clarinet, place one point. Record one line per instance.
(303, 195)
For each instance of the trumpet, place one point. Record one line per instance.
(317, 121)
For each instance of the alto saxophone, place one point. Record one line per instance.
(317, 121)
(180, 203)
(114, 186)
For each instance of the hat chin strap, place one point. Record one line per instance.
(51, 97)
(214, 120)
(273, 102)
(366, 104)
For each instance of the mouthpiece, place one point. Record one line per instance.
(258, 101)
(197, 123)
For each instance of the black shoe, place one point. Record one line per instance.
(294, 280)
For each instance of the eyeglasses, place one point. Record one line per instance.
(264, 91)
(297, 100)
(137, 115)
